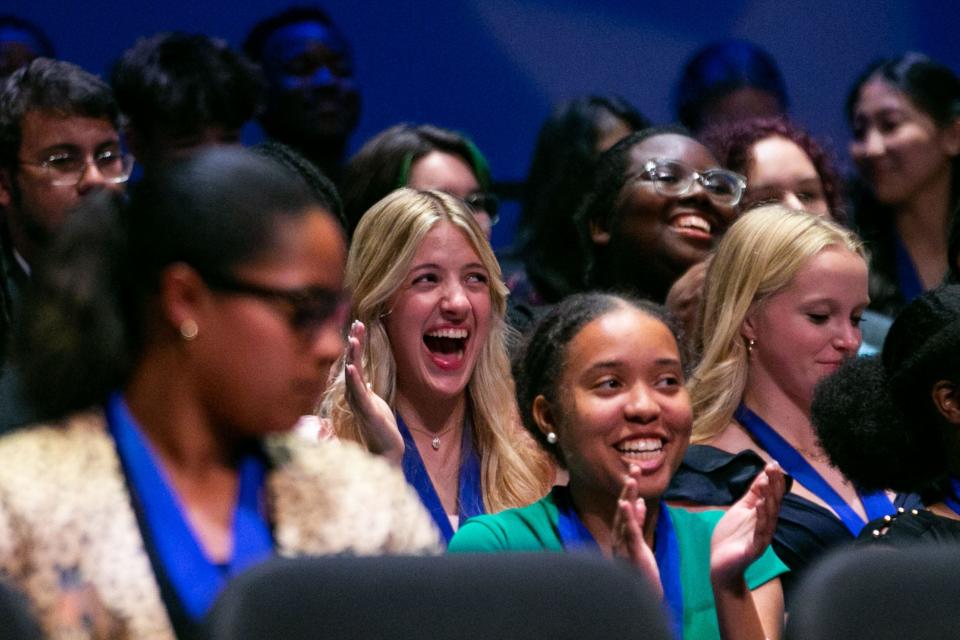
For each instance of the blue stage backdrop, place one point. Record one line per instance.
(493, 68)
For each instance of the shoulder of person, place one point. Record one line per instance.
(529, 528)
(57, 451)
(334, 496)
(733, 438)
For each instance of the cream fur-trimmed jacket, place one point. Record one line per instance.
(65, 507)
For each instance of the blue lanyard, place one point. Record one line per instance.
(666, 549)
(470, 496)
(953, 498)
(196, 580)
(875, 503)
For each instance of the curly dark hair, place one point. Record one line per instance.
(732, 143)
(875, 417)
(180, 84)
(539, 363)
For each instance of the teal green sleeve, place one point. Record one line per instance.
(479, 534)
(694, 529)
(530, 528)
(764, 569)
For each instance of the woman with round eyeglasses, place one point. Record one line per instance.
(782, 165)
(784, 295)
(425, 379)
(419, 157)
(173, 341)
(659, 203)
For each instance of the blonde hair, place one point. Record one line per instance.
(758, 257)
(513, 471)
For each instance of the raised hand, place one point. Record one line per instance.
(627, 535)
(375, 416)
(747, 528)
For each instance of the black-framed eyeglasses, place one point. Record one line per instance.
(66, 168)
(309, 308)
(485, 201)
(674, 178)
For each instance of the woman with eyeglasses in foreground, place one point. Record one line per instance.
(182, 335)
(782, 305)
(425, 379)
(600, 385)
(659, 203)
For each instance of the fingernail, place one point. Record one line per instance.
(634, 468)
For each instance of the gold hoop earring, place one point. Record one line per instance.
(189, 329)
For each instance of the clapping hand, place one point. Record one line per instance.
(627, 535)
(375, 416)
(747, 528)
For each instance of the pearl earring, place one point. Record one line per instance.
(552, 438)
(189, 329)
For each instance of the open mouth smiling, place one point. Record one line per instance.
(447, 346)
(646, 452)
(693, 225)
(641, 448)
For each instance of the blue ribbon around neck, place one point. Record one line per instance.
(196, 580)
(470, 496)
(666, 550)
(875, 503)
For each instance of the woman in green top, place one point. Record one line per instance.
(600, 384)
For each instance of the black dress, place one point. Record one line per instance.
(805, 530)
(910, 527)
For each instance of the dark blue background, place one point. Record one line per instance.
(493, 68)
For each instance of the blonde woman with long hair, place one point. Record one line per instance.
(782, 307)
(425, 379)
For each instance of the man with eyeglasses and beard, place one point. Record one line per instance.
(59, 141)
